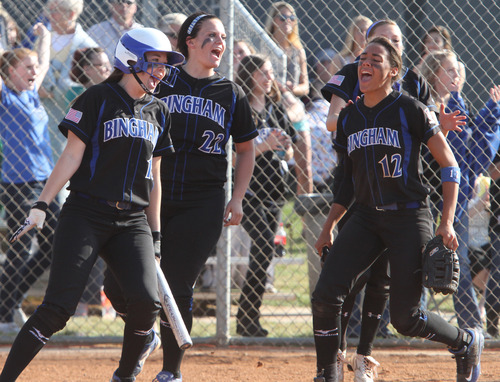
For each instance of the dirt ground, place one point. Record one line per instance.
(204, 363)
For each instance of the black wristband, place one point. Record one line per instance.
(156, 235)
(39, 205)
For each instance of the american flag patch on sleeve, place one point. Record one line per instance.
(74, 115)
(336, 80)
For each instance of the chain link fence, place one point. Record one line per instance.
(323, 26)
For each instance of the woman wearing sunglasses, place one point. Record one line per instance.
(282, 26)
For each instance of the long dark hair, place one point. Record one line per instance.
(247, 67)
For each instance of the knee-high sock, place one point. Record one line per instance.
(30, 340)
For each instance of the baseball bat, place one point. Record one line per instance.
(172, 311)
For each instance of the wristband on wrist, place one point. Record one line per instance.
(450, 174)
(156, 235)
(39, 205)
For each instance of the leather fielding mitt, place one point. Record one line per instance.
(440, 267)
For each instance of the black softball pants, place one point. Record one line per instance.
(86, 228)
(357, 246)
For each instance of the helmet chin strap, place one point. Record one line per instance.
(132, 70)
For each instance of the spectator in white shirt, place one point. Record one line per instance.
(107, 33)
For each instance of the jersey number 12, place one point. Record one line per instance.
(396, 171)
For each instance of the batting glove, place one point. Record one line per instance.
(36, 217)
(157, 244)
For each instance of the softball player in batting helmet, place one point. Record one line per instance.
(207, 109)
(380, 137)
(117, 132)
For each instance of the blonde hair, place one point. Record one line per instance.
(293, 38)
(9, 21)
(349, 38)
(171, 18)
(371, 31)
(431, 65)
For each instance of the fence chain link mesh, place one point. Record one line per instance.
(323, 28)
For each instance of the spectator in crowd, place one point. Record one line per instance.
(90, 66)
(67, 36)
(241, 48)
(493, 286)
(479, 239)
(344, 87)
(107, 33)
(264, 198)
(323, 70)
(354, 42)
(170, 24)
(324, 157)
(282, 26)
(436, 38)
(10, 34)
(26, 166)
(474, 148)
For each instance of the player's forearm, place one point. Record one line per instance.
(331, 122)
(336, 104)
(42, 47)
(337, 211)
(450, 196)
(153, 210)
(243, 170)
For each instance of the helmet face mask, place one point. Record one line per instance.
(150, 67)
(130, 53)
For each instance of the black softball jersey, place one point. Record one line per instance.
(382, 145)
(112, 125)
(205, 113)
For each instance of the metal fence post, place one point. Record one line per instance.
(223, 286)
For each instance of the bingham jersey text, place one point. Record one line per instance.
(130, 127)
(373, 136)
(196, 105)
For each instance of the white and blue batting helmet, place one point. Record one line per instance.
(134, 44)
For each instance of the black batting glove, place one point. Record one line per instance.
(157, 244)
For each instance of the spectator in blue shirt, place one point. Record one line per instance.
(26, 166)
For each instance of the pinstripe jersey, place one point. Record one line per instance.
(205, 113)
(383, 147)
(113, 124)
